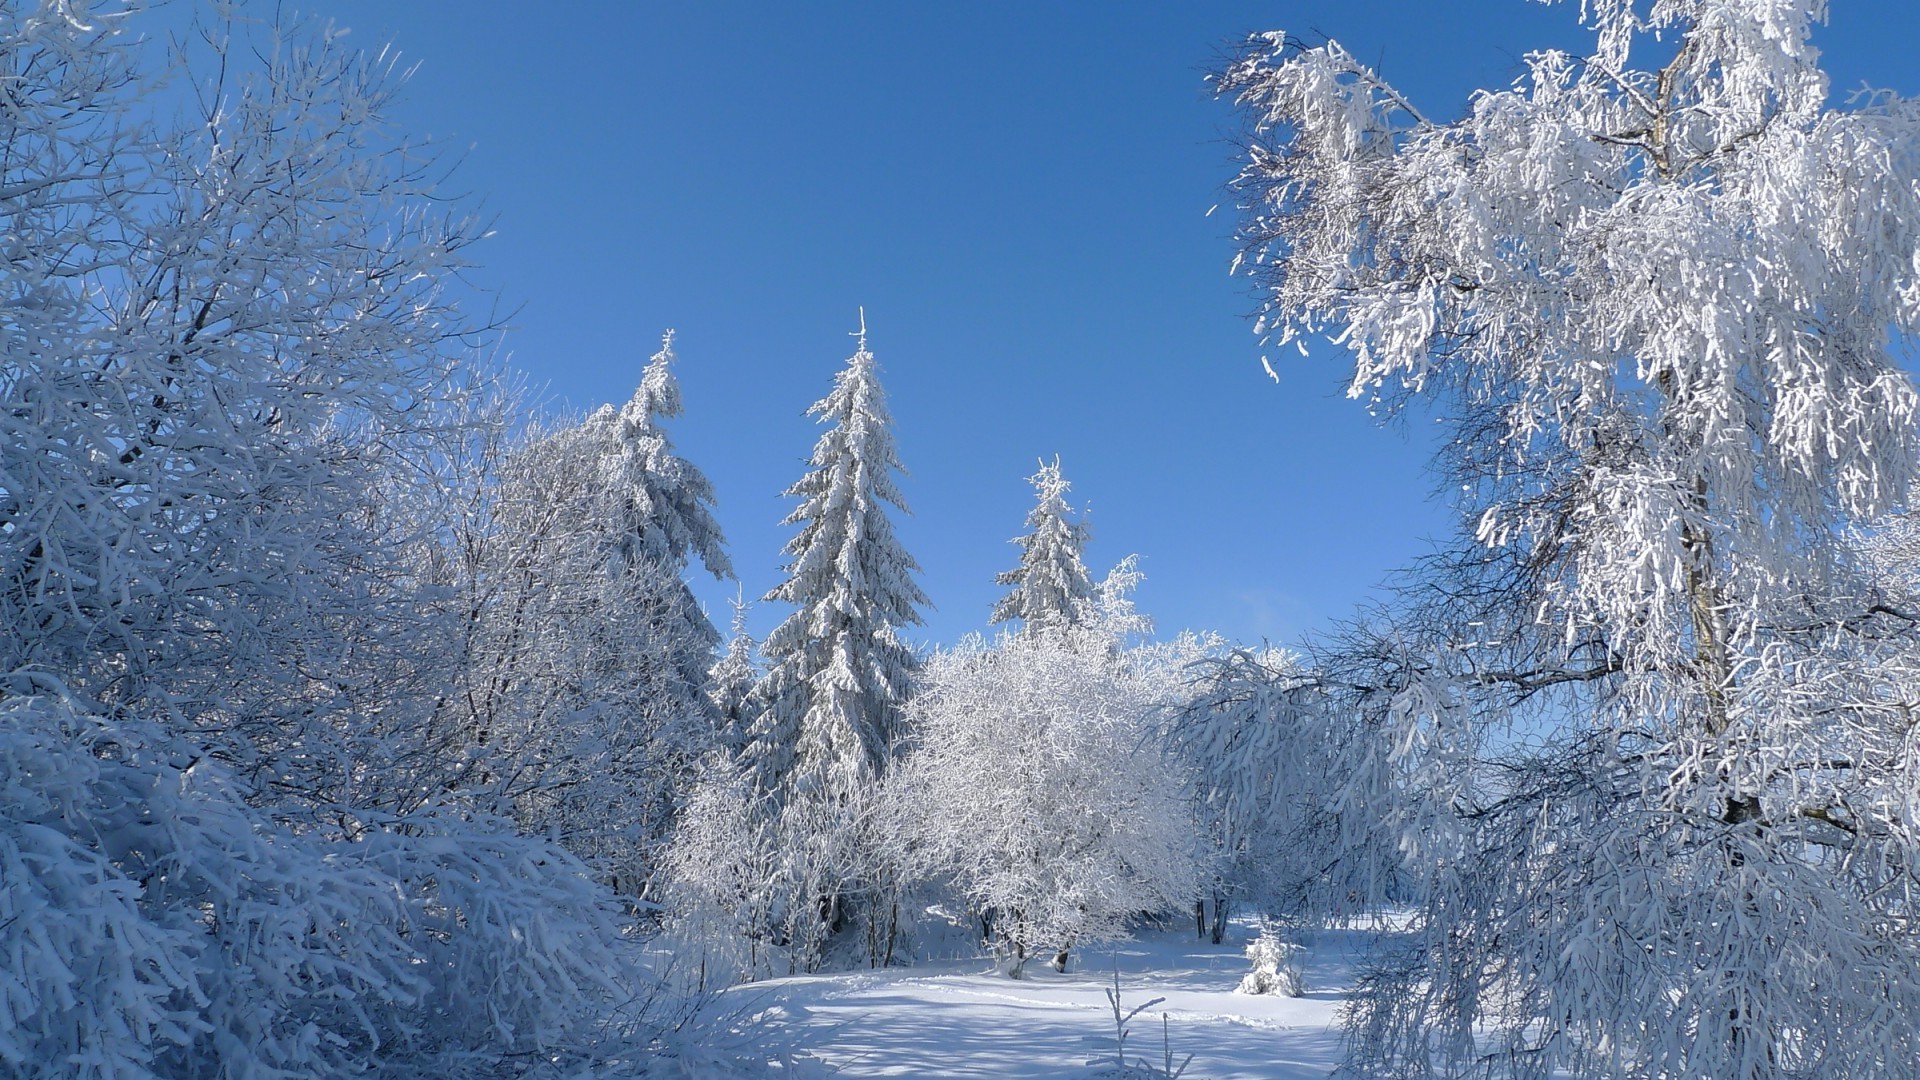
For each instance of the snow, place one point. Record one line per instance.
(965, 1019)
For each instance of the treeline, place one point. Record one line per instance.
(350, 724)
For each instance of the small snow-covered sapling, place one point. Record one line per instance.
(1279, 967)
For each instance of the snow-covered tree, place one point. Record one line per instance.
(733, 678)
(722, 881)
(577, 656)
(1039, 785)
(826, 714)
(231, 840)
(579, 690)
(1645, 736)
(1270, 753)
(838, 670)
(667, 501)
(1051, 587)
(224, 327)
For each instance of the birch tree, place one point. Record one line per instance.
(1665, 307)
(1038, 783)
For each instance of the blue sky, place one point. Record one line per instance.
(1017, 193)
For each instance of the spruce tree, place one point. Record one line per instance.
(667, 501)
(839, 671)
(1051, 587)
(584, 692)
(733, 678)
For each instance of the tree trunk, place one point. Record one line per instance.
(1220, 908)
(1059, 961)
(1019, 966)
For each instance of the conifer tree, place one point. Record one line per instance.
(668, 501)
(583, 694)
(1051, 587)
(839, 670)
(733, 678)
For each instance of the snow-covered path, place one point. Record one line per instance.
(962, 1019)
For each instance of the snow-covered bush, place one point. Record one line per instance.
(1279, 967)
(721, 883)
(1038, 784)
(152, 924)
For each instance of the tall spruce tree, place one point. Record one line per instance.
(1050, 586)
(668, 501)
(838, 670)
(583, 694)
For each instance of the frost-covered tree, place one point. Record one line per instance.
(723, 881)
(827, 711)
(667, 501)
(1039, 785)
(1270, 751)
(733, 678)
(224, 329)
(231, 840)
(838, 670)
(580, 690)
(1051, 587)
(1664, 307)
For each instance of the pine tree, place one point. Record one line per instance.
(839, 670)
(671, 499)
(733, 678)
(1051, 587)
(668, 502)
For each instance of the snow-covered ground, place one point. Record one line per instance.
(964, 1019)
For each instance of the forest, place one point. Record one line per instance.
(358, 717)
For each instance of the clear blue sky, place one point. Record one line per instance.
(1017, 192)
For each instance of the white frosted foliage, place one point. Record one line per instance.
(1039, 786)
(838, 670)
(223, 335)
(733, 679)
(1051, 586)
(669, 500)
(1642, 722)
(1278, 967)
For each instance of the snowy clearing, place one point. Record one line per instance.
(963, 1018)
